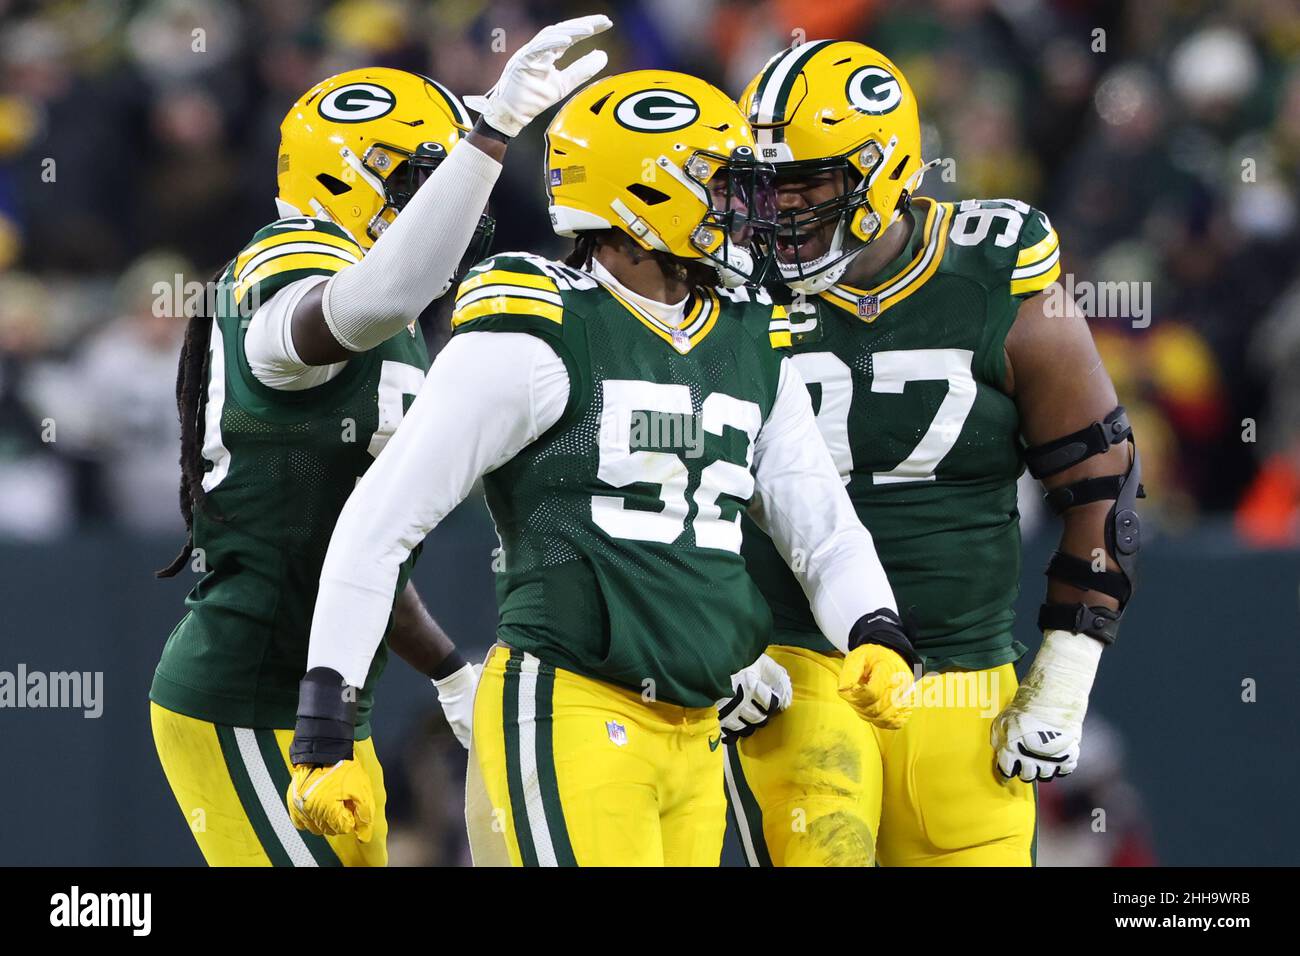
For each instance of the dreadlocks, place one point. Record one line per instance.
(191, 372)
(584, 250)
(695, 273)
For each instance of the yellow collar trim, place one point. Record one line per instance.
(700, 318)
(917, 272)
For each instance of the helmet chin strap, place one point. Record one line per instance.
(377, 223)
(369, 178)
(823, 276)
(914, 181)
(738, 266)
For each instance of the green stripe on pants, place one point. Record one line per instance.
(319, 847)
(248, 798)
(748, 816)
(514, 773)
(1033, 844)
(546, 767)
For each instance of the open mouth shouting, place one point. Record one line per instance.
(803, 244)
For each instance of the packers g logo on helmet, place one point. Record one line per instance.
(357, 103)
(873, 90)
(657, 111)
(665, 158)
(356, 146)
(838, 108)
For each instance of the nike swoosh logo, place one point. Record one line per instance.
(714, 741)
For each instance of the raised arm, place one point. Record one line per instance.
(413, 262)
(408, 267)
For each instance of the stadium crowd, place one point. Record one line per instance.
(138, 143)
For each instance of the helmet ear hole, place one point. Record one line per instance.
(898, 170)
(336, 186)
(647, 194)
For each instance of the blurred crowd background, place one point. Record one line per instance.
(1162, 138)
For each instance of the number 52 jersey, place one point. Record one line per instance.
(620, 523)
(907, 379)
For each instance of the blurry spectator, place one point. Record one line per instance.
(116, 399)
(36, 484)
(1269, 514)
(1162, 139)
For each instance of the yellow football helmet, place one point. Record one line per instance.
(356, 146)
(667, 159)
(840, 107)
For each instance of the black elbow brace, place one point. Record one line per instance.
(1123, 528)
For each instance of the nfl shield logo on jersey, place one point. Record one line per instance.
(868, 306)
(617, 732)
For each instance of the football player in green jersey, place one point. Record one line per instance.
(938, 373)
(622, 413)
(286, 396)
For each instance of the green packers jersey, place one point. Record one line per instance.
(907, 380)
(620, 526)
(279, 466)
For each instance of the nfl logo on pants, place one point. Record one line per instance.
(868, 306)
(617, 732)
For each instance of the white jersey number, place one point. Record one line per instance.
(396, 380)
(891, 371)
(836, 380)
(620, 466)
(971, 225)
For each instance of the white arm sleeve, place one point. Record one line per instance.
(268, 342)
(412, 263)
(487, 396)
(801, 502)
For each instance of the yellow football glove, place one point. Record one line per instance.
(329, 792)
(331, 801)
(876, 679)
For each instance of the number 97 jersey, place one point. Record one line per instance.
(907, 380)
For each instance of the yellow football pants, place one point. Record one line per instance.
(579, 772)
(819, 786)
(230, 783)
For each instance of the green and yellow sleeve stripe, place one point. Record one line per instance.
(503, 292)
(1038, 266)
(778, 330)
(291, 251)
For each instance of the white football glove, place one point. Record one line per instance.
(456, 694)
(761, 690)
(531, 83)
(1037, 737)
